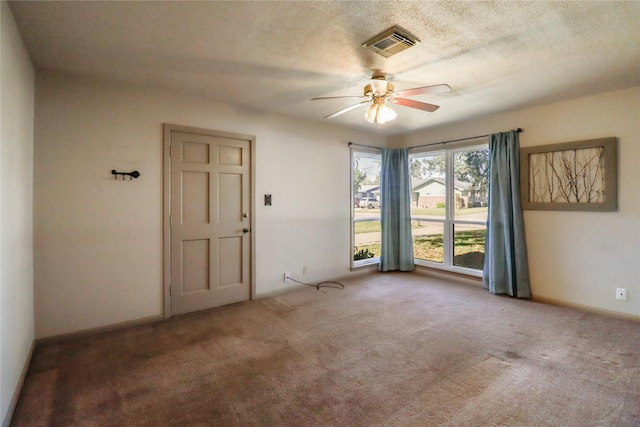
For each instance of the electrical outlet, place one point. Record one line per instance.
(621, 294)
(287, 276)
(304, 269)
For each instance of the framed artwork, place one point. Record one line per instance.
(571, 176)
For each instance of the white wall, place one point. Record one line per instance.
(577, 257)
(16, 204)
(98, 242)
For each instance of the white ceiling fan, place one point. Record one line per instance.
(380, 90)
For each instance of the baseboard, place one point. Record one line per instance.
(16, 393)
(587, 308)
(544, 300)
(279, 292)
(99, 330)
(153, 319)
(362, 271)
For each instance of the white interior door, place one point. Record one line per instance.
(209, 221)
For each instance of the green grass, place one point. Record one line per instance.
(468, 248)
(375, 227)
(366, 227)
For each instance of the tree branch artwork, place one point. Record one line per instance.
(570, 176)
(579, 175)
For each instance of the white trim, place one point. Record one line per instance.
(586, 308)
(449, 204)
(455, 146)
(99, 330)
(373, 153)
(369, 268)
(16, 393)
(373, 218)
(469, 221)
(447, 274)
(365, 263)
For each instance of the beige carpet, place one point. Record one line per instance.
(388, 350)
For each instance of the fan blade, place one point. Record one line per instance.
(344, 110)
(415, 104)
(424, 90)
(338, 97)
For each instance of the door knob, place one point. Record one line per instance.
(245, 230)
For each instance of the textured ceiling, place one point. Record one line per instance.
(276, 56)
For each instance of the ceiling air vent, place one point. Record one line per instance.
(392, 41)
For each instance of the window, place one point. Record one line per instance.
(365, 230)
(449, 195)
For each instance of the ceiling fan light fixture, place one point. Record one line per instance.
(380, 90)
(379, 113)
(371, 113)
(385, 114)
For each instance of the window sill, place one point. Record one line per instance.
(363, 263)
(467, 272)
(449, 274)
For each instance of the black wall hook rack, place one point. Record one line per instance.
(131, 175)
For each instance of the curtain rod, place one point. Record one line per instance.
(434, 143)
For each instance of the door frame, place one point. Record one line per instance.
(166, 245)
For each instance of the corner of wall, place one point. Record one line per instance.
(396, 141)
(16, 212)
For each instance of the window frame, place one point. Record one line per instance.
(366, 151)
(449, 221)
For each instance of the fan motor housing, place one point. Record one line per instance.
(369, 90)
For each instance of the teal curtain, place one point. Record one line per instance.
(505, 258)
(395, 211)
